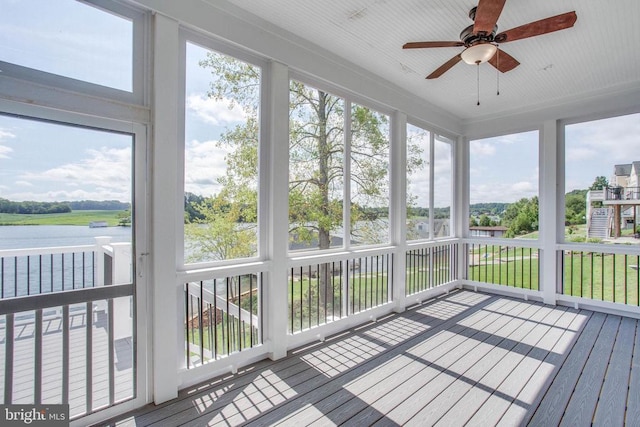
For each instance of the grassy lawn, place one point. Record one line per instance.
(584, 273)
(72, 218)
(365, 291)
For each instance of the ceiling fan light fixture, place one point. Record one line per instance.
(479, 53)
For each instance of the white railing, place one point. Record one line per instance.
(222, 312)
(72, 300)
(325, 287)
(509, 263)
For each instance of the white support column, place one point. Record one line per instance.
(550, 210)
(165, 152)
(461, 185)
(277, 208)
(398, 207)
(101, 242)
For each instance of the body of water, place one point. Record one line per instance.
(46, 236)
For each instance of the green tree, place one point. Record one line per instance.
(485, 221)
(124, 218)
(223, 226)
(599, 183)
(575, 207)
(521, 217)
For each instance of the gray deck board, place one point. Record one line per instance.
(487, 400)
(611, 406)
(583, 402)
(633, 396)
(23, 372)
(467, 358)
(552, 406)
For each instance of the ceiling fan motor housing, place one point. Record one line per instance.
(469, 38)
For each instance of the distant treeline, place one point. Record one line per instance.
(98, 205)
(31, 207)
(7, 206)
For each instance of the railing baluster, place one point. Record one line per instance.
(215, 315)
(8, 358)
(65, 354)
(200, 322)
(187, 297)
(110, 343)
(89, 355)
(37, 355)
(240, 322)
(613, 270)
(250, 309)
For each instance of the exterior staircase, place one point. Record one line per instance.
(599, 224)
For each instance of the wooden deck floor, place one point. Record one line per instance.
(52, 365)
(464, 359)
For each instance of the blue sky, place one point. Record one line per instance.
(87, 44)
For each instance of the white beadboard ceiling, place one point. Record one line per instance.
(599, 54)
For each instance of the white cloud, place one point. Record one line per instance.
(103, 174)
(213, 111)
(4, 150)
(503, 192)
(480, 148)
(205, 163)
(24, 183)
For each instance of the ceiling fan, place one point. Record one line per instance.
(481, 41)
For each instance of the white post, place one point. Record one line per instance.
(166, 354)
(101, 242)
(275, 294)
(551, 210)
(398, 208)
(122, 273)
(461, 185)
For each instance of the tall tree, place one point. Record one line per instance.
(599, 183)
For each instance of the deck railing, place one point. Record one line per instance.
(600, 273)
(58, 349)
(622, 193)
(512, 263)
(67, 338)
(333, 287)
(430, 265)
(222, 316)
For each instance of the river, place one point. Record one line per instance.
(45, 236)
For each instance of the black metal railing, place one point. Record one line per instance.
(611, 277)
(369, 282)
(25, 275)
(504, 265)
(222, 316)
(430, 267)
(321, 293)
(622, 193)
(315, 295)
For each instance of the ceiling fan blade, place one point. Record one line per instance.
(487, 14)
(420, 45)
(543, 26)
(503, 61)
(445, 67)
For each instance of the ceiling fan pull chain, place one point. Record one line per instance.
(498, 72)
(478, 80)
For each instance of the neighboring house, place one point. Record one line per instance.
(487, 231)
(626, 176)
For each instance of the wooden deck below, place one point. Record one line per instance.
(464, 359)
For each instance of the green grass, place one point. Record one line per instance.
(71, 218)
(586, 274)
